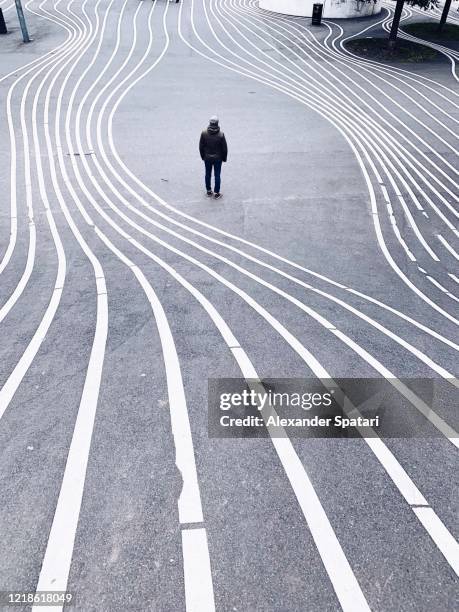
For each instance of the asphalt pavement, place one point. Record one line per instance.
(123, 289)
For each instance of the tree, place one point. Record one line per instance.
(424, 4)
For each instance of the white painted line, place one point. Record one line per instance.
(448, 246)
(199, 593)
(398, 475)
(416, 202)
(414, 400)
(189, 502)
(437, 284)
(302, 99)
(440, 535)
(400, 239)
(15, 378)
(43, 61)
(300, 464)
(226, 245)
(308, 310)
(163, 244)
(340, 573)
(342, 577)
(59, 550)
(396, 146)
(416, 230)
(409, 489)
(244, 363)
(198, 584)
(220, 231)
(11, 301)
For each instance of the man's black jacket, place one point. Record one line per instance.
(212, 146)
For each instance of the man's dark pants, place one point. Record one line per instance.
(217, 166)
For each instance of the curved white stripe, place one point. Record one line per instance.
(359, 160)
(278, 326)
(189, 503)
(226, 234)
(412, 488)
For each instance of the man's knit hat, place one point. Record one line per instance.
(213, 120)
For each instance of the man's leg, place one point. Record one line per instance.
(217, 172)
(208, 165)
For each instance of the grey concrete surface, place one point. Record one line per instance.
(291, 185)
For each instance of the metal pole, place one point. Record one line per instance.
(22, 21)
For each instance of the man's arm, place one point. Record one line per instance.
(224, 148)
(201, 146)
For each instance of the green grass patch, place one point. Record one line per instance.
(404, 51)
(429, 30)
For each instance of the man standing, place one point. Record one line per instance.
(214, 151)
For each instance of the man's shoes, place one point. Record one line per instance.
(217, 196)
(210, 194)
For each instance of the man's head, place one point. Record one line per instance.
(213, 127)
